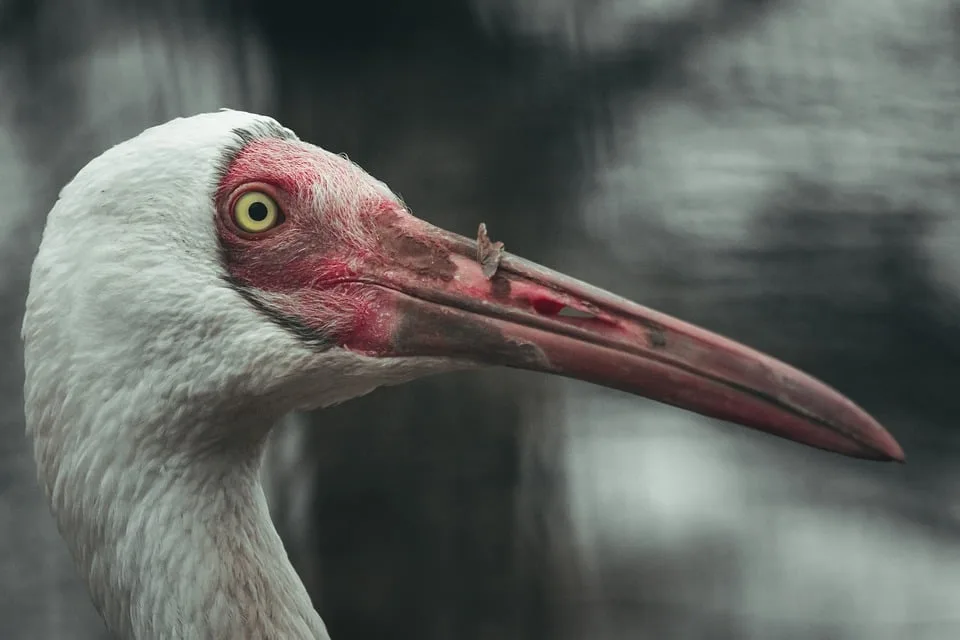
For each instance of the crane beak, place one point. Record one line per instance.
(441, 294)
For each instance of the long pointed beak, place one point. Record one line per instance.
(436, 296)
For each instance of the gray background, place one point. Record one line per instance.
(785, 172)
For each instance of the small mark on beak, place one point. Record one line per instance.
(657, 338)
(488, 253)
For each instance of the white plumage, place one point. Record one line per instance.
(150, 387)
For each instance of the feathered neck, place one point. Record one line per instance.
(205, 561)
(179, 545)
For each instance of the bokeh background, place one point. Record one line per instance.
(786, 172)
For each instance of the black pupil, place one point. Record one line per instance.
(257, 212)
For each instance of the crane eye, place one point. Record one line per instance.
(256, 212)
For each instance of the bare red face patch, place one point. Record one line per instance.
(338, 226)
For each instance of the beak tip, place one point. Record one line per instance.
(888, 449)
(897, 455)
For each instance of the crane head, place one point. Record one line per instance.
(236, 264)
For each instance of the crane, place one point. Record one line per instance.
(199, 281)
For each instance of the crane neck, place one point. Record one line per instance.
(183, 546)
(235, 578)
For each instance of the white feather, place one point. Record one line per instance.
(151, 386)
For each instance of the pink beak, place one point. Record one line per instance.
(434, 299)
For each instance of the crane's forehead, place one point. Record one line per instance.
(295, 166)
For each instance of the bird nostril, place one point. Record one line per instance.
(551, 307)
(570, 312)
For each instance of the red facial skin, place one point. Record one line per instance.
(316, 259)
(349, 262)
(324, 244)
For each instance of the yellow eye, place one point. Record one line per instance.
(256, 212)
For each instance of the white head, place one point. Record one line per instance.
(198, 281)
(144, 355)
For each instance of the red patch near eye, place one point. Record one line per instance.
(290, 165)
(334, 214)
(332, 270)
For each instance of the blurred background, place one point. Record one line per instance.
(786, 172)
